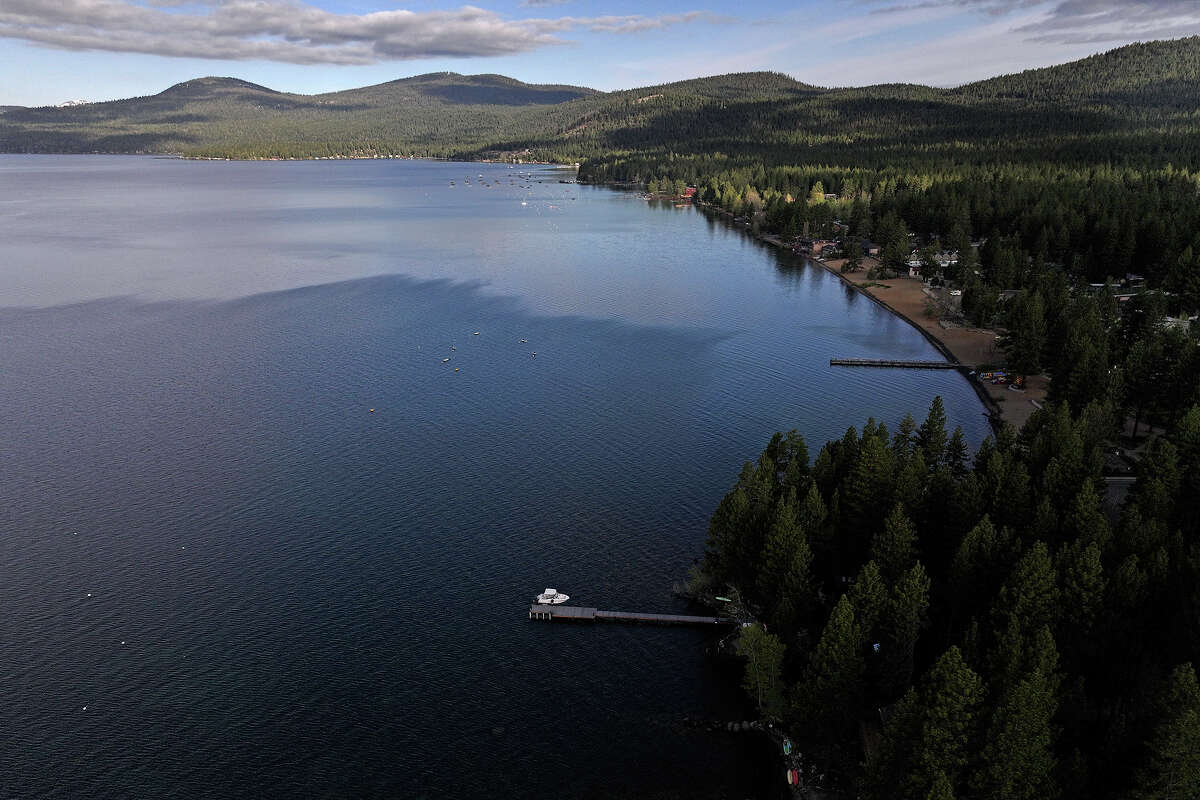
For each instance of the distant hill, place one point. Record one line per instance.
(450, 88)
(226, 116)
(1145, 95)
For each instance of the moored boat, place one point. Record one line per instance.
(552, 597)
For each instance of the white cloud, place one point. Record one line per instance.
(292, 31)
(1076, 21)
(984, 51)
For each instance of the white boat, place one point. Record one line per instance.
(552, 597)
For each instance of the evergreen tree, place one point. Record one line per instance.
(912, 479)
(985, 553)
(1026, 609)
(1026, 338)
(906, 615)
(868, 595)
(830, 693)
(930, 733)
(905, 436)
(1082, 585)
(785, 576)
(812, 513)
(1017, 761)
(866, 496)
(738, 529)
(1031, 592)
(931, 437)
(957, 454)
(1172, 768)
(894, 547)
(1085, 522)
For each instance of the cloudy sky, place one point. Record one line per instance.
(58, 50)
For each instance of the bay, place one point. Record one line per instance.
(259, 587)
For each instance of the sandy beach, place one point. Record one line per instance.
(927, 309)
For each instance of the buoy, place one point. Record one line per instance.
(372, 411)
(456, 369)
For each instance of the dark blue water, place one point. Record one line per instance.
(259, 588)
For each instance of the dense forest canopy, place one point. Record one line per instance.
(941, 624)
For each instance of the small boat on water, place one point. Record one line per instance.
(552, 597)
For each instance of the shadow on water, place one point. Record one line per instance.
(272, 562)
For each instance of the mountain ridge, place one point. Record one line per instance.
(1145, 86)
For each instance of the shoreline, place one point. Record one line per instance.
(994, 412)
(966, 348)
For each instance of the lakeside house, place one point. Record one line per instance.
(814, 246)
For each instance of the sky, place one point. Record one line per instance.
(53, 51)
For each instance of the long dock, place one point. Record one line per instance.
(883, 362)
(581, 614)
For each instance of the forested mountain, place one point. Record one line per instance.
(1131, 105)
(425, 115)
(1147, 75)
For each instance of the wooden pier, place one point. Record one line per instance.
(883, 362)
(580, 614)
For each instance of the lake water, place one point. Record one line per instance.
(257, 587)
